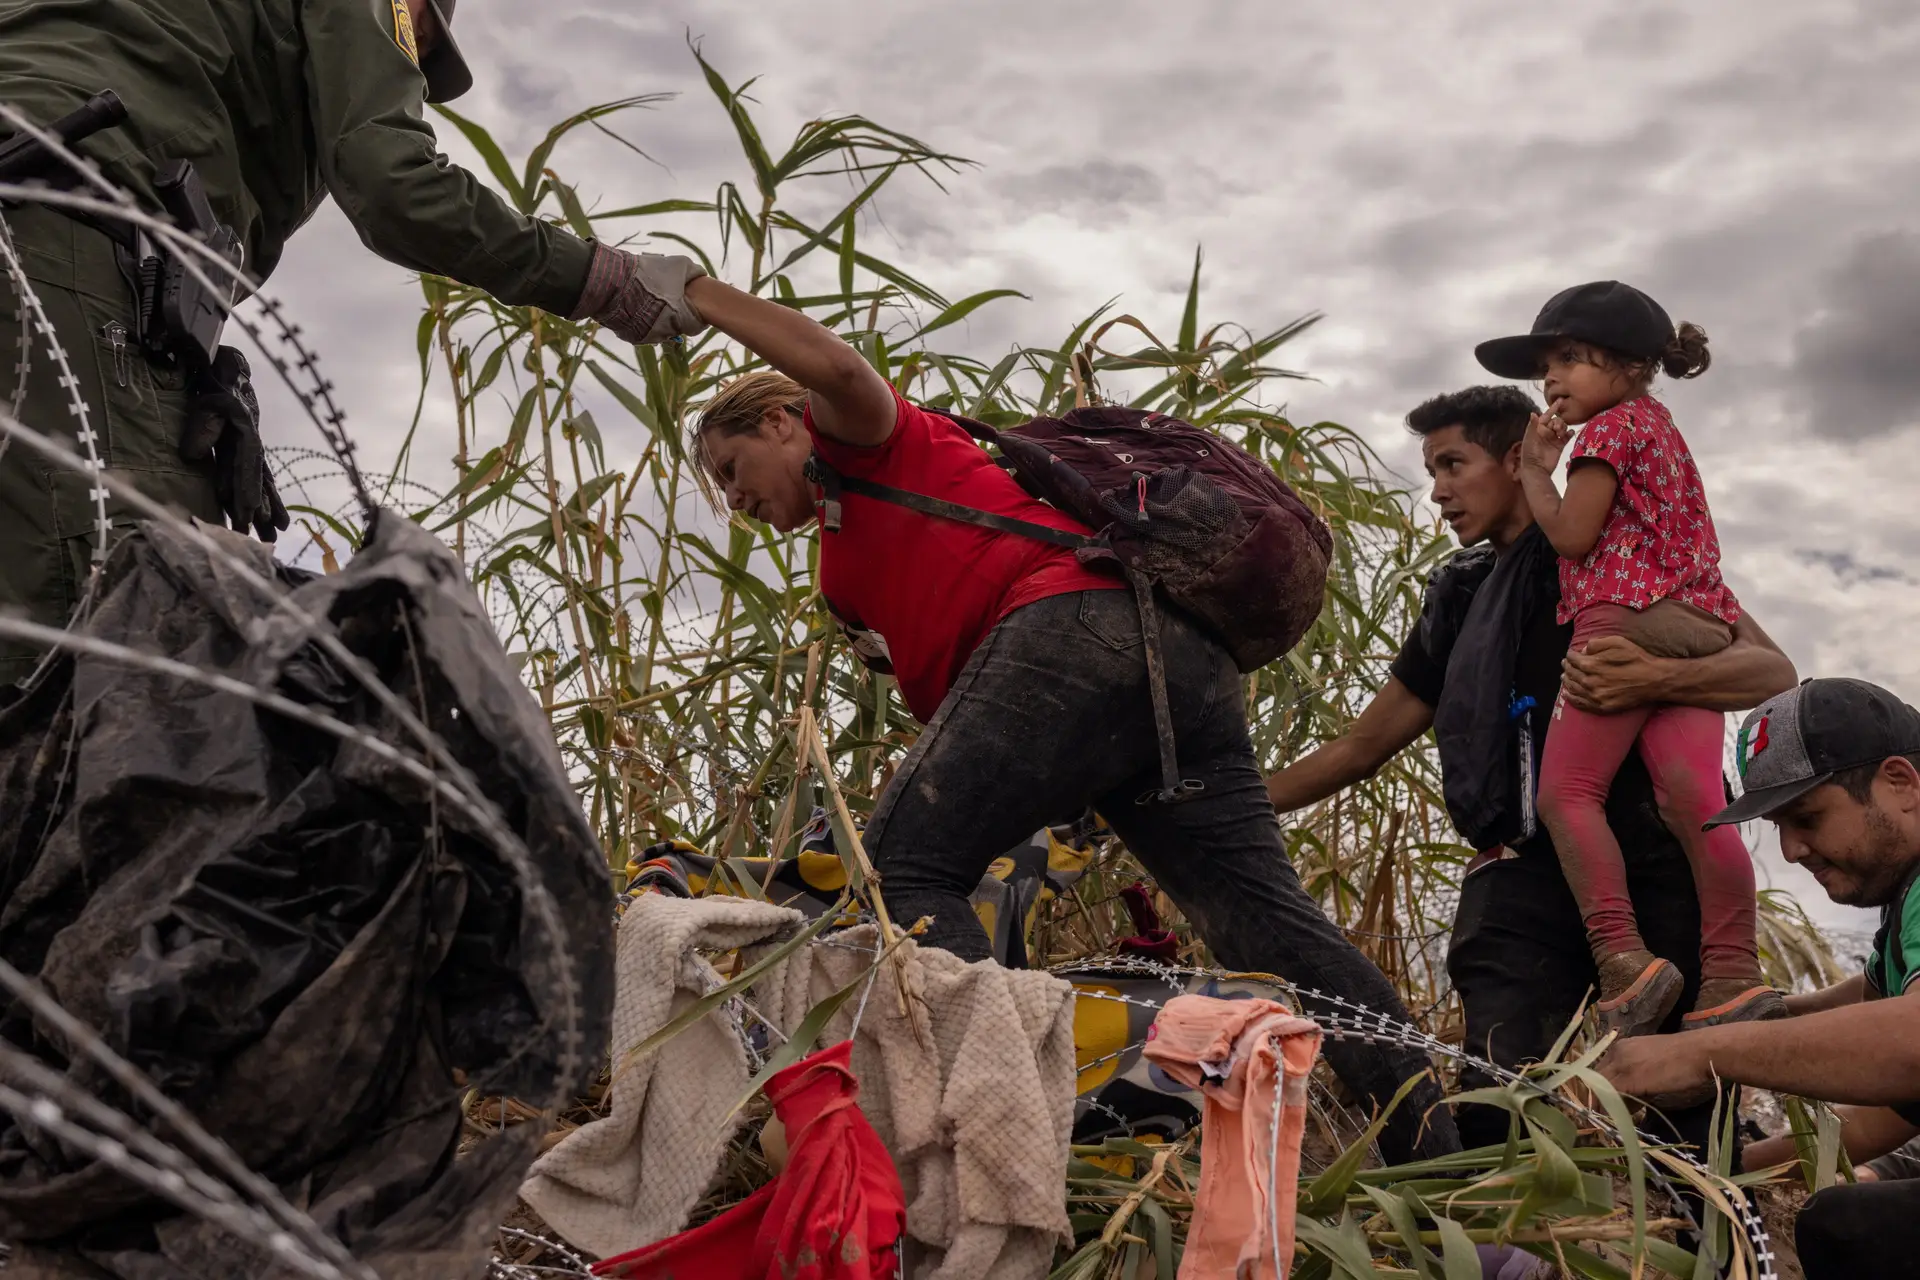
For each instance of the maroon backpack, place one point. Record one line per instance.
(1172, 506)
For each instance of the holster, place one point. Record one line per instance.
(180, 311)
(183, 308)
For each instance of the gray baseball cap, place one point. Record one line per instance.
(1799, 739)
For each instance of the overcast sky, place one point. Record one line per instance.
(1424, 175)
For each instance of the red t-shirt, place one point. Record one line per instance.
(1658, 542)
(916, 593)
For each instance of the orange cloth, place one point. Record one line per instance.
(1239, 1053)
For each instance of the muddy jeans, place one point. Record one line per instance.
(1052, 714)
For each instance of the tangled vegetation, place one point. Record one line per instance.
(699, 693)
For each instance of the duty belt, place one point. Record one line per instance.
(180, 311)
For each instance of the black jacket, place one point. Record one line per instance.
(1486, 657)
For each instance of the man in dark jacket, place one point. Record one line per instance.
(277, 104)
(1482, 668)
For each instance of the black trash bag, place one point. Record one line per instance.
(292, 935)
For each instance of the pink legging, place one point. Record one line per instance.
(1681, 747)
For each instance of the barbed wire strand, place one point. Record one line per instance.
(84, 433)
(192, 253)
(464, 793)
(280, 1229)
(47, 1114)
(1371, 1026)
(23, 359)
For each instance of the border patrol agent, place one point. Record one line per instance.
(276, 104)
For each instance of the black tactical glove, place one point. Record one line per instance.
(223, 422)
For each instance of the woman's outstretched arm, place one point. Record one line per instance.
(851, 402)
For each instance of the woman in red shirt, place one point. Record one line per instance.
(1029, 673)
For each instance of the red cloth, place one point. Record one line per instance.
(1658, 542)
(1151, 939)
(836, 1212)
(930, 589)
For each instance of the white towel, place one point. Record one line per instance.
(635, 1177)
(977, 1117)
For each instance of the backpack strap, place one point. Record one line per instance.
(1173, 788)
(972, 426)
(833, 484)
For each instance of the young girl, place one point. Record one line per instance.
(1639, 560)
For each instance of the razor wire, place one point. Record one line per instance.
(129, 1077)
(315, 397)
(463, 792)
(90, 1043)
(316, 400)
(501, 1269)
(45, 1113)
(1360, 1023)
(84, 434)
(23, 361)
(116, 1140)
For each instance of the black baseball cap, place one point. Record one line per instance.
(445, 67)
(1606, 313)
(1798, 740)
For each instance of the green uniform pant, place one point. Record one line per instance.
(136, 409)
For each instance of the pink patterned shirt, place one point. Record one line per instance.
(1658, 542)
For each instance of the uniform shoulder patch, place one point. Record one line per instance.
(403, 31)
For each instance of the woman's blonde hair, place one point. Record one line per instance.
(737, 410)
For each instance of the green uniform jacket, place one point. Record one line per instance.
(278, 103)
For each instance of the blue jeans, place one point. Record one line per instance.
(1052, 714)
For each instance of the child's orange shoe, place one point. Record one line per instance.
(1646, 988)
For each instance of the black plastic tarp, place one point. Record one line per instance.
(290, 933)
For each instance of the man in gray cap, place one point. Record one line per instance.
(276, 104)
(1833, 765)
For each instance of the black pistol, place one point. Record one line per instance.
(182, 315)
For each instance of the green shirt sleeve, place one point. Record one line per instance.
(1894, 962)
(1907, 954)
(410, 204)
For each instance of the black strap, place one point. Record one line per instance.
(822, 473)
(972, 426)
(1173, 788)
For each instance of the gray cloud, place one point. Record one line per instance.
(1096, 191)
(1853, 363)
(1848, 570)
(1425, 177)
